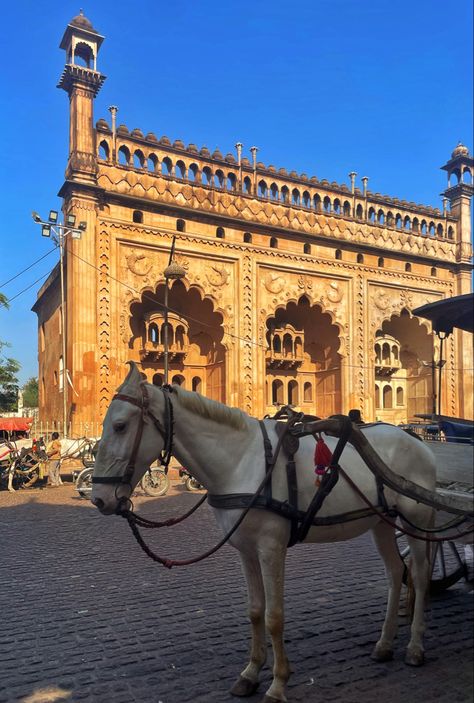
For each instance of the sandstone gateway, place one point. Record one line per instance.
(296, 290)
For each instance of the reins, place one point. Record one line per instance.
(287, 440)
(383, 516)
(135, 521)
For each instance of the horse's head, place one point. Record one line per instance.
(129, 444)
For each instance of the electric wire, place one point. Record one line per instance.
(2, 285)
(45, 275)
(148, 297)
(251, 342)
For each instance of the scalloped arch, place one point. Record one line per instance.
(325, 311)
(137, 298)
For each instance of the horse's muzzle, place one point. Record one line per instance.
(102, 506)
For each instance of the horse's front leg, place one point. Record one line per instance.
(247, 682)
(272, 562)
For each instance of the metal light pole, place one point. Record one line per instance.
(442, 336)
(432, 366)
(173, 272)
(59, 231)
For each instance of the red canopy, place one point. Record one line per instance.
(16, 424)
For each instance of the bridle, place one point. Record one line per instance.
(165, 430)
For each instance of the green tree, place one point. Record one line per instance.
(30, 393)
(8, 374)
(8, 383)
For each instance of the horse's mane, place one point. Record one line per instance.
(212, 409)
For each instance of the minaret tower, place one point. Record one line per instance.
(82, 196)
(82, 82)
(461, 167)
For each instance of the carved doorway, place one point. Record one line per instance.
(197, 357)
(403, 381)
(302, 362)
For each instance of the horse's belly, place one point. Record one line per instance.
(341, 531)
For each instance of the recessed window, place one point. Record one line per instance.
(381, 262)
(274, 243)
(434, 271)
(137, 216)
(220, 233)
(338, 254)
(408, 268)
(307, 248)
(180, 226)
(247, 238)
(360, 258)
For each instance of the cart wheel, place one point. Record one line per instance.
(155, 482)
(84, 483)
(448, 563)
(192, 485)
(26, 473)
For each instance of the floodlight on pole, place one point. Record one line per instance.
(61, 231)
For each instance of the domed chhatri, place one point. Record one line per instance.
(81, 20)
(460, 150)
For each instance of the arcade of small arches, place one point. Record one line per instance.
(307, 199)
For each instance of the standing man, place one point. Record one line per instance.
(53, 450)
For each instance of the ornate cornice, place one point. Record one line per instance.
(273, 219)
(270, 254)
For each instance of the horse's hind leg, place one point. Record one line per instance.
(247, 682)
(384, 538)
(420, 571)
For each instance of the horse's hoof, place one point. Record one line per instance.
(415, 657)
(382, 654)
(244, 687)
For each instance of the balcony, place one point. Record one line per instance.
(154, 352)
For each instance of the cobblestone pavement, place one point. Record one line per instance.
(87, 617)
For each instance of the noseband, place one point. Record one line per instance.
(166, 431)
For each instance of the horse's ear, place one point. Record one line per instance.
(132, 380)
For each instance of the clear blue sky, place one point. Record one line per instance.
(320, 86)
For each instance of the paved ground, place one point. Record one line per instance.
(87, 617)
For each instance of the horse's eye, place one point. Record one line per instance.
(119, 426)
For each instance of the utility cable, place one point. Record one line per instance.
(2, 285)
(146, 296)
(9, 300)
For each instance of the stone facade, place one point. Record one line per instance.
(291, 283)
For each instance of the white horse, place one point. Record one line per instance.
(74, 448)
(223, 449)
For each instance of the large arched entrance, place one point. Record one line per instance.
(197, 357)
(403, 381)
(302, 363)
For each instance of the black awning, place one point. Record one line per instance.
(450, 313)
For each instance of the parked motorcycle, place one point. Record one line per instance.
(154, 483)
(189, 481)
